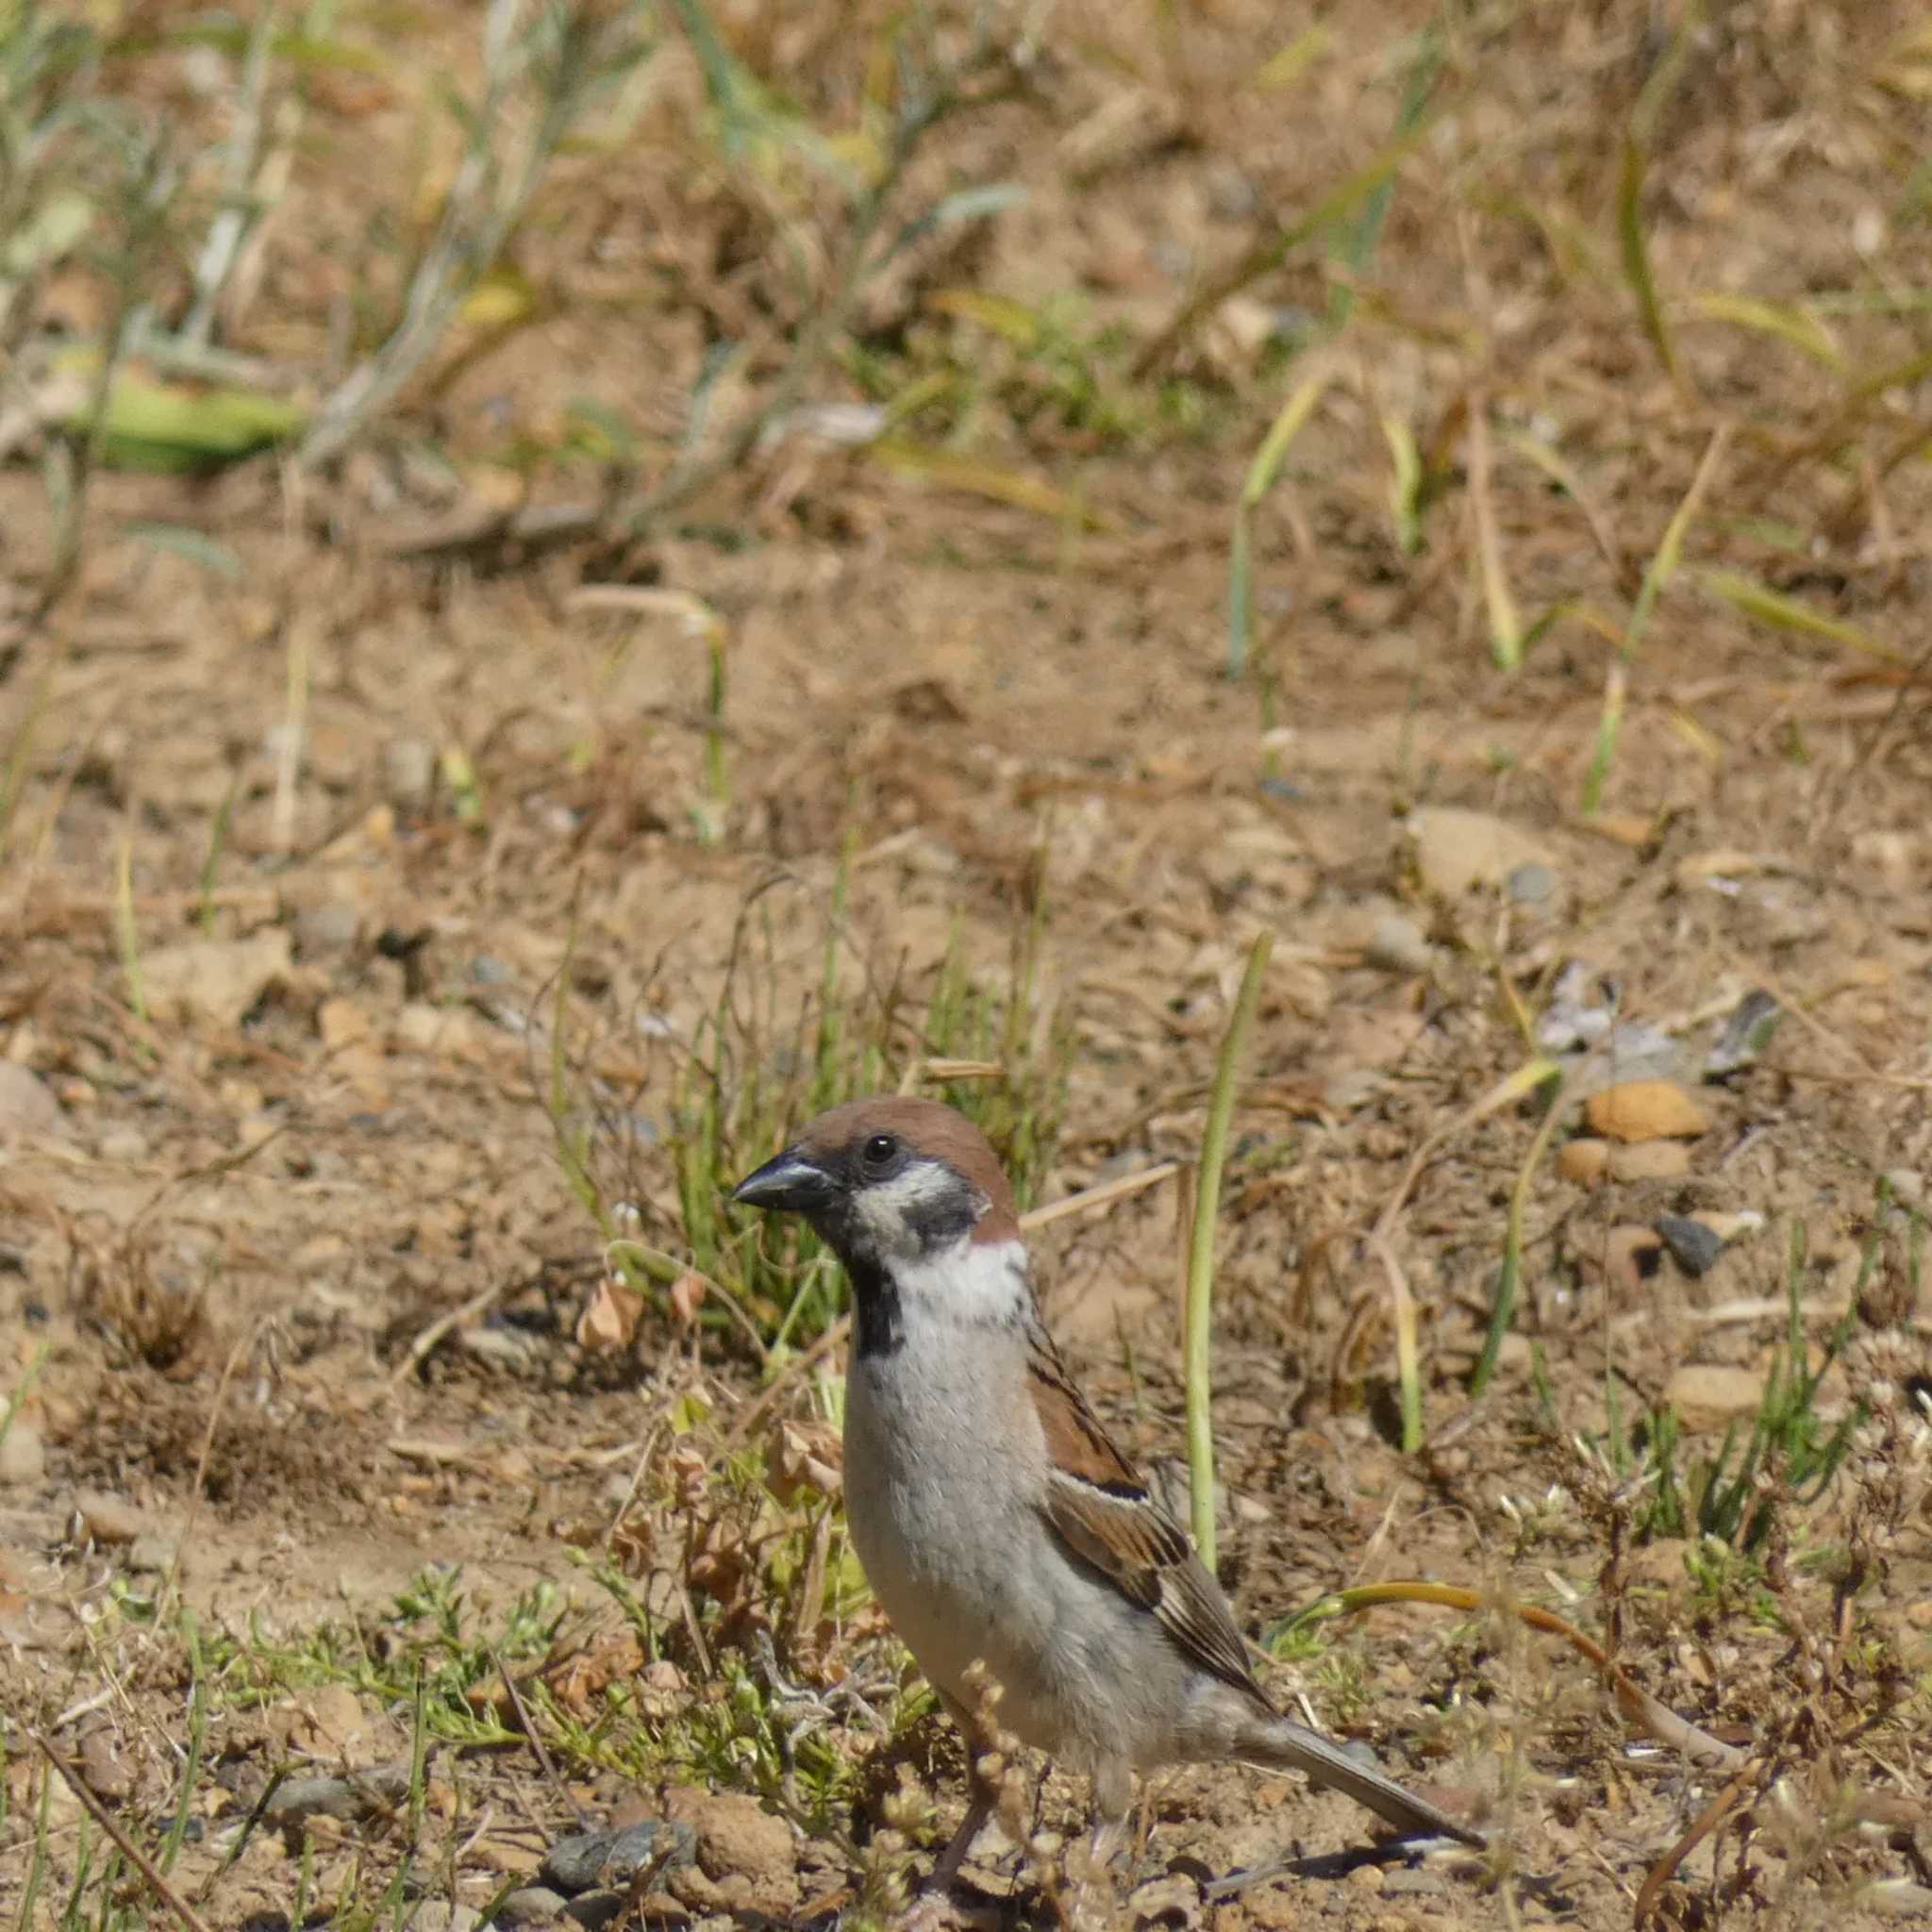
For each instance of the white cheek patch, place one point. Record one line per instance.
(971, 1284)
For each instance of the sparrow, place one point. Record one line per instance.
(997, 1519)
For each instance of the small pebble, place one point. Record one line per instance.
(598, 1908)
(535, 1904)
(152, 1551)
(652, 1841)
(329, 927)
(1693, 1246)
(572, 1864)
(1532, 883)
(409, 770)
(124, 1145)
(26, 1106)
(1745, 1034)
(107, 1519)
(1645, 1111)
(444, 1915)
(1908, 1188)
(22, 1455)
(1397, 945)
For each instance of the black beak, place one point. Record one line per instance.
(788, 1183)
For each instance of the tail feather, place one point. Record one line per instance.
(1282, 1744)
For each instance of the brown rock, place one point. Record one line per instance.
(342, 1021)
(1590, 1163)
(1584, 1161)
(108, 1519)
(1707, 1395)
(105, 1765)
(327, 1722)
(22, 1455)
(1457, 850)
(27, 1109)
(1645, 1111)
(735, 1834)
(214, 979)
(1650, 1160)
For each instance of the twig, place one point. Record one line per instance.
(530, 1730)
(1713, 1815)
(1103, 1195)
(232, 221)
(182, 1911)
(424, 1344)
(208, 1443)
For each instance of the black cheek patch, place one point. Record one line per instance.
(948, 1217)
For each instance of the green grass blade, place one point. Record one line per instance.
(1200, 1301)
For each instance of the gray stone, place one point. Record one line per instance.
(1532, 883)
(572, 1864)
(534, 1905)
(1693, 1246)
(655, 1842)
(585, 1859)
(329, 926)
(1744, 1035)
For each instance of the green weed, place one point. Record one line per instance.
(1731, 1499)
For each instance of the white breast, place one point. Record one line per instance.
(944, 1463)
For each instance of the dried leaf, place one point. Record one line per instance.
(687, 1297)
(610, 1319)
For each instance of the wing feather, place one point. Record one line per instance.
(1099, 1507)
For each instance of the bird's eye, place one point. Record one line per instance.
(879, 1151)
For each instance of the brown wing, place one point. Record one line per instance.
(1102, 1512)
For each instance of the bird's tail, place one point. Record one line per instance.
(1278, 1743)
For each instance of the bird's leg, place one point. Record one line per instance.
(935, 1904)
(982, 1796)
(1113, 1800)
(978, 1809)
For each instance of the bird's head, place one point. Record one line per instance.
(889, 1182)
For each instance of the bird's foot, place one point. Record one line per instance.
(943, 1908)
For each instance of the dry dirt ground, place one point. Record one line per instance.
(343, 897)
